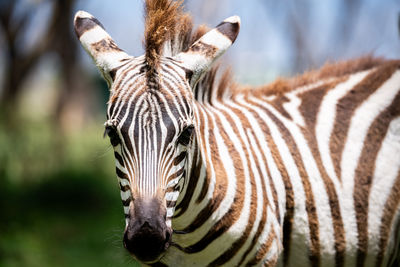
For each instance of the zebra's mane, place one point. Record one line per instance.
(328, 71)
(281, 85)
(168, 30)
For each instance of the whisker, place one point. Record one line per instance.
(178, 232)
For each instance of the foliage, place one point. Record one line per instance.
(59, 198)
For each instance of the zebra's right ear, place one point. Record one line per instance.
(107, 56)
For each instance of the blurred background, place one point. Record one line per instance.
(59, 198)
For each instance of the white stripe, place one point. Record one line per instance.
(321, 201)
(172, 196)
(170, 212)
(386, 170)
(277, 179)
(292, 107)
(104, 60)
(259, 204)
(359, 125)
(192, 238)
(126, 210)
(125, 195)
(326, 120)
(92, 36)
(124, 182)
(120, 167)
(300, 217)
(173, 182)
(195, 208)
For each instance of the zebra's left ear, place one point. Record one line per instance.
(202, 54)
(99, 45)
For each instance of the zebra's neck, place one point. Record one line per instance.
(219, 183)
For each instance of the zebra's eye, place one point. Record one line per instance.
(113, 135)
(186, 135)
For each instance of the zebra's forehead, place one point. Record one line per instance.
(165, 90)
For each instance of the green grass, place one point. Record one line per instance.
(59, 199)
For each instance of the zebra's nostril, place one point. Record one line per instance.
(146, 225)
(167, 235)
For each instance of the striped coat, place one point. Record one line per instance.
(300, 172)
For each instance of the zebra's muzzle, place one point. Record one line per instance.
(147, 236)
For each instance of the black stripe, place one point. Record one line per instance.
(126, 203)
(121, 175)
(171, 204)
(230, 30)
(124, 188)
(176, 174)
(83, 25)
(180, 157)
(119, 159)
(121, 91)
(190, 187)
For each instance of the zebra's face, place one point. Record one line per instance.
(150, 124)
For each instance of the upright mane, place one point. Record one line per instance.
(168, 30)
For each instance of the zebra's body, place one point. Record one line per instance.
(275, 150)
(304, 172)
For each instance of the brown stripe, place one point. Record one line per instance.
(365, 171)
(311, 101)
(386, 228)
(264, 250)
(348, 104)
(261, 225)
(314, 253)
(230, 30)
(83, 25)
(214, 148)
(278, 102)
(221, 182)
(290, 202)
(204, 49)
(105, 45)
(235, 247)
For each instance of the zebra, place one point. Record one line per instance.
(300, 172)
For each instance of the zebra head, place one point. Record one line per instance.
(151, 124)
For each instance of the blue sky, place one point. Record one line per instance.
(264, 48)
